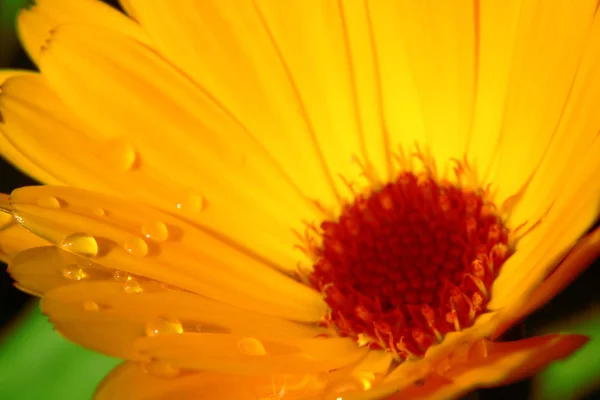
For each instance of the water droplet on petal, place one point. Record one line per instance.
(122, 276)
(80, 243)
(132, 287)
(366, 378)
(122, 155)
(48, 202)
(162, 326)
(99, 212)
(193, 202)
(74, 272)
(136, 247)
(156, 231)
(91, 306)
(160, 368)
(251, 346)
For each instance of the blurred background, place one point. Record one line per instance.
(37, 363)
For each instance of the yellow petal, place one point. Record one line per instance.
(248, 355)
(147, 242)
(353, 388)
(574, 136)
(9, 73)
(361, 379)
(236, 61)
(361, 61)
(537, 253)
(14, 238)
(36, 23)
(549, 45)
(129, 381)
(41, 269)
(18, 158)
(490, 364)
(45, 268)
(109, 315)
(582, 255)
(497, 38)
(208, 150)
(10, 151)
(326, 50)
(400, 98)
(377, 362)
(111, 331)
(34, 115)
(127, 7)
(439, 40)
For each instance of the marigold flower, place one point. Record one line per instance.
(304, 199)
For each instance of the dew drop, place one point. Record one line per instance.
(366, 379)
(122, 276)
(136, 247)
(48, 202)
(251, 346)
(80, 243)
(160, 369)
(122, 155)
(132, 287)
(162, 326)
(74, 272)
(91, 306)
(99, 212)
(193, 202)
(156, 231)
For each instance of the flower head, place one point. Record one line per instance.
(303, 200)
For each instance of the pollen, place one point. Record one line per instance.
(406, 263)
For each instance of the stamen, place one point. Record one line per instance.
(404, 162)
(349, 185)
(409, 261)
(367, 171)
(480, 285)
(452, 318)
(427, 160)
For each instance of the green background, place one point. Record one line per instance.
(37, 363)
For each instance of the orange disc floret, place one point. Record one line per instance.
(405, 264)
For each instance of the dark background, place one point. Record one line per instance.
(582, 294)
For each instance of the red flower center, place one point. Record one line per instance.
(410, 262)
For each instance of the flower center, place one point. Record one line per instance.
(406, 264)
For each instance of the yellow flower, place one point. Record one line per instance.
(304, 199)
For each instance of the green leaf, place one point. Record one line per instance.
(37, 363)
(578, 374)
(8, 10)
